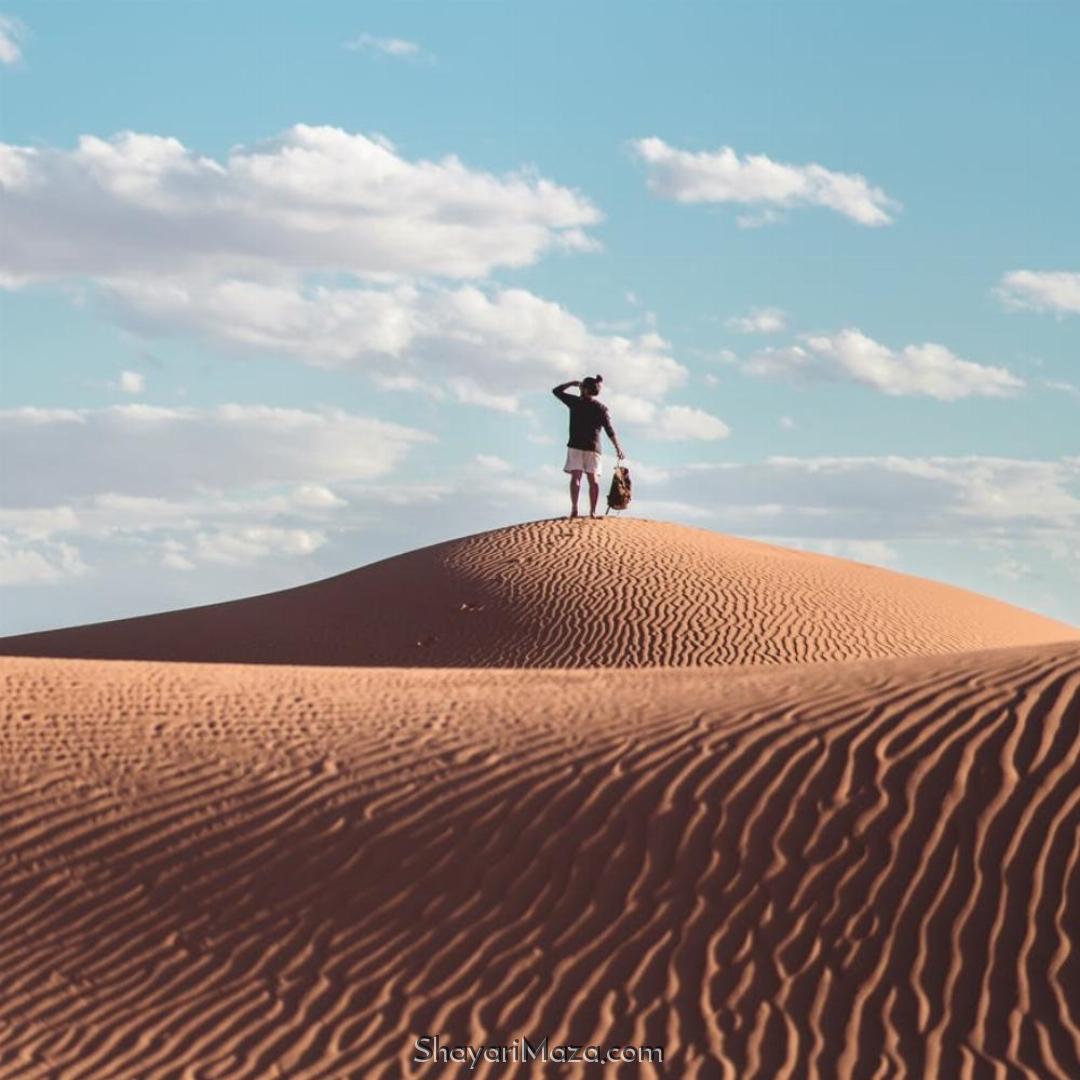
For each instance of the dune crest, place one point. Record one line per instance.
(608, 593)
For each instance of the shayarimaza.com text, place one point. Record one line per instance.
(429, 1049)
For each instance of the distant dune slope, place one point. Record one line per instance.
(609, 593)
(845, 870)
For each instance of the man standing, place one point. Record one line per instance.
(587, 417)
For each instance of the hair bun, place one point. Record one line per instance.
(599, 378)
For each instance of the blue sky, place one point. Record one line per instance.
(826, 255)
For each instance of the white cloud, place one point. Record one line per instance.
(152, 452)
(787, 423)
(191, 487)
(38, 562)
(722, 176)
(1065, 387)
(244, 544)
(493, 463)
(324, 246)
(174, 560)
(311, 497)
(36, 523)
(759, 218)
(1044, 291)
(327, 327)
(12, 33)
(468, 392)
(758, 321)
(484, 346)
(665, 422)
(227, 512)
(679, 422)
(387, 46)
(132, 382)
(928, 369)
(786, 361)
(630, 409)
(509, 338)
(184, 488)
(313, 199)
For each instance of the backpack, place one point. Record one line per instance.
(618, 496)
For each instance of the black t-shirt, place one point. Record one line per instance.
(587, 417)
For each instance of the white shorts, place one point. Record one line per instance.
(583, 460)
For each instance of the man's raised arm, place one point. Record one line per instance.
(560, 392)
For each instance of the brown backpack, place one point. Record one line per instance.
(618, 496)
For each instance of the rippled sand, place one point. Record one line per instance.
(850, 867)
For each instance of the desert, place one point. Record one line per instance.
(605, 783)
(539, 542)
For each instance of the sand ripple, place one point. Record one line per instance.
(861, 869)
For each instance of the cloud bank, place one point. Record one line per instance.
(149, 452)
(468, 341)
(181, 487)
(325, 246)
(313, 199)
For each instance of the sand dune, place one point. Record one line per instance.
(855, 870)
(608, 593)
(828, 827)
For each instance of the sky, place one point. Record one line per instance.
(284, 288)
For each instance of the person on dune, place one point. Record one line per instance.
(587, 417)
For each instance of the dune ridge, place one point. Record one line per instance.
(858, 869)
(610, 593)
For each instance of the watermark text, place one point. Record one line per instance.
(431, 1050)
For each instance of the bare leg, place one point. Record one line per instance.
(594, 493)
(575, 490)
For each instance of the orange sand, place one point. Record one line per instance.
(849, 868)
